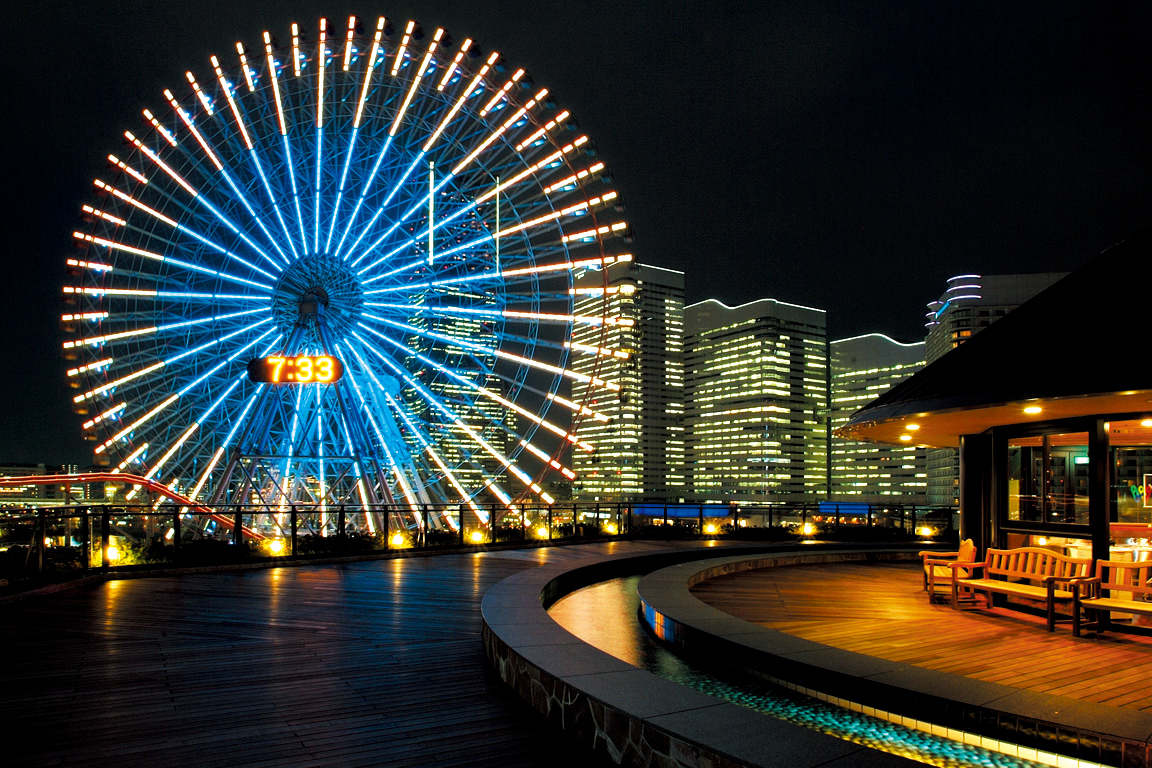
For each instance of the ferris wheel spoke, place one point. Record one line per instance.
(254, 156)
(239, 196)
(481, 349)
(453, 422)
(107, 188)
(155, 158)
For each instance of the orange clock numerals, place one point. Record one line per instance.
(300, 369)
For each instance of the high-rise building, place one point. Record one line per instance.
(639, 450)
(862, 368)
(757, 378)
(969, 304)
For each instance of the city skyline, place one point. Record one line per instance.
(838, 157)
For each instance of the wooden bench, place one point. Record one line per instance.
(1121, 587)
(937, 567)
(1010, 571)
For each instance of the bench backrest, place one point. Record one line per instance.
(1035, 563)
(1130, 578)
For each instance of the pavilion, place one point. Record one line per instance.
(1050, 408)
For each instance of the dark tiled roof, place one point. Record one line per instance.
(1089, 333)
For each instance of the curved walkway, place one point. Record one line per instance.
(628, 714)
(1032, 724)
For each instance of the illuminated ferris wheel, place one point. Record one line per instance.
(343, 271)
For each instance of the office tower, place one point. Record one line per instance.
(757, 378)
(862, 368)
(969, 304)
(639, 450)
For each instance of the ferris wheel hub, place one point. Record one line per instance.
(314, 281)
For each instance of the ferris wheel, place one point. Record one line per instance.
(343, 271)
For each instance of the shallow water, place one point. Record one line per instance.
(606, 615)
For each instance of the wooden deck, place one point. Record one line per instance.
(880, 610)
(371, 663)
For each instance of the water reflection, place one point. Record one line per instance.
(605, 615)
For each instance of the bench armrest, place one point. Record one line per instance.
(936, 555)
(1086, 587)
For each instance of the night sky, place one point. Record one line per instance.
(849, 156)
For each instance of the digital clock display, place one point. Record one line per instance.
(298, 369)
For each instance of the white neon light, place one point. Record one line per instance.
(322, 55)
(108, 414)
(204, 101)
(131, 458)
(101, 214)
(118, 382)
(598, 351)
(348, 42)
(248, 73)
(127, 169)
(275, 82)
(574, 179)
(460, 102)
(95, 267)
(226, 87)
(560, 118)
(296, 49)
(455, 65)
(92, 316)
(577, 408)
(403, 50)
(591, 234)
(415, 80)
(91, 367)
(159, 128)
(136, 424)
(502, 92)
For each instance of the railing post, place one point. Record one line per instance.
(837, 516)
(903, 522)
(177, 534)
(424, 528)
(869, 515)
(292, 517)
(665, 514)
(85, 540)
(460, 518)
(341, 522)
(700, 510)
(41, 534)
(549, 522)
(105, 535)
(238, 526)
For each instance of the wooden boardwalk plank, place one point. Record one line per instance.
(361, 664)
(881, 610)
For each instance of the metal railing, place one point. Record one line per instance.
(59, 541)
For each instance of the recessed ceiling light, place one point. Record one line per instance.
(1033, 409)
(1146, 423)
(905, 438)
(911, 427)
